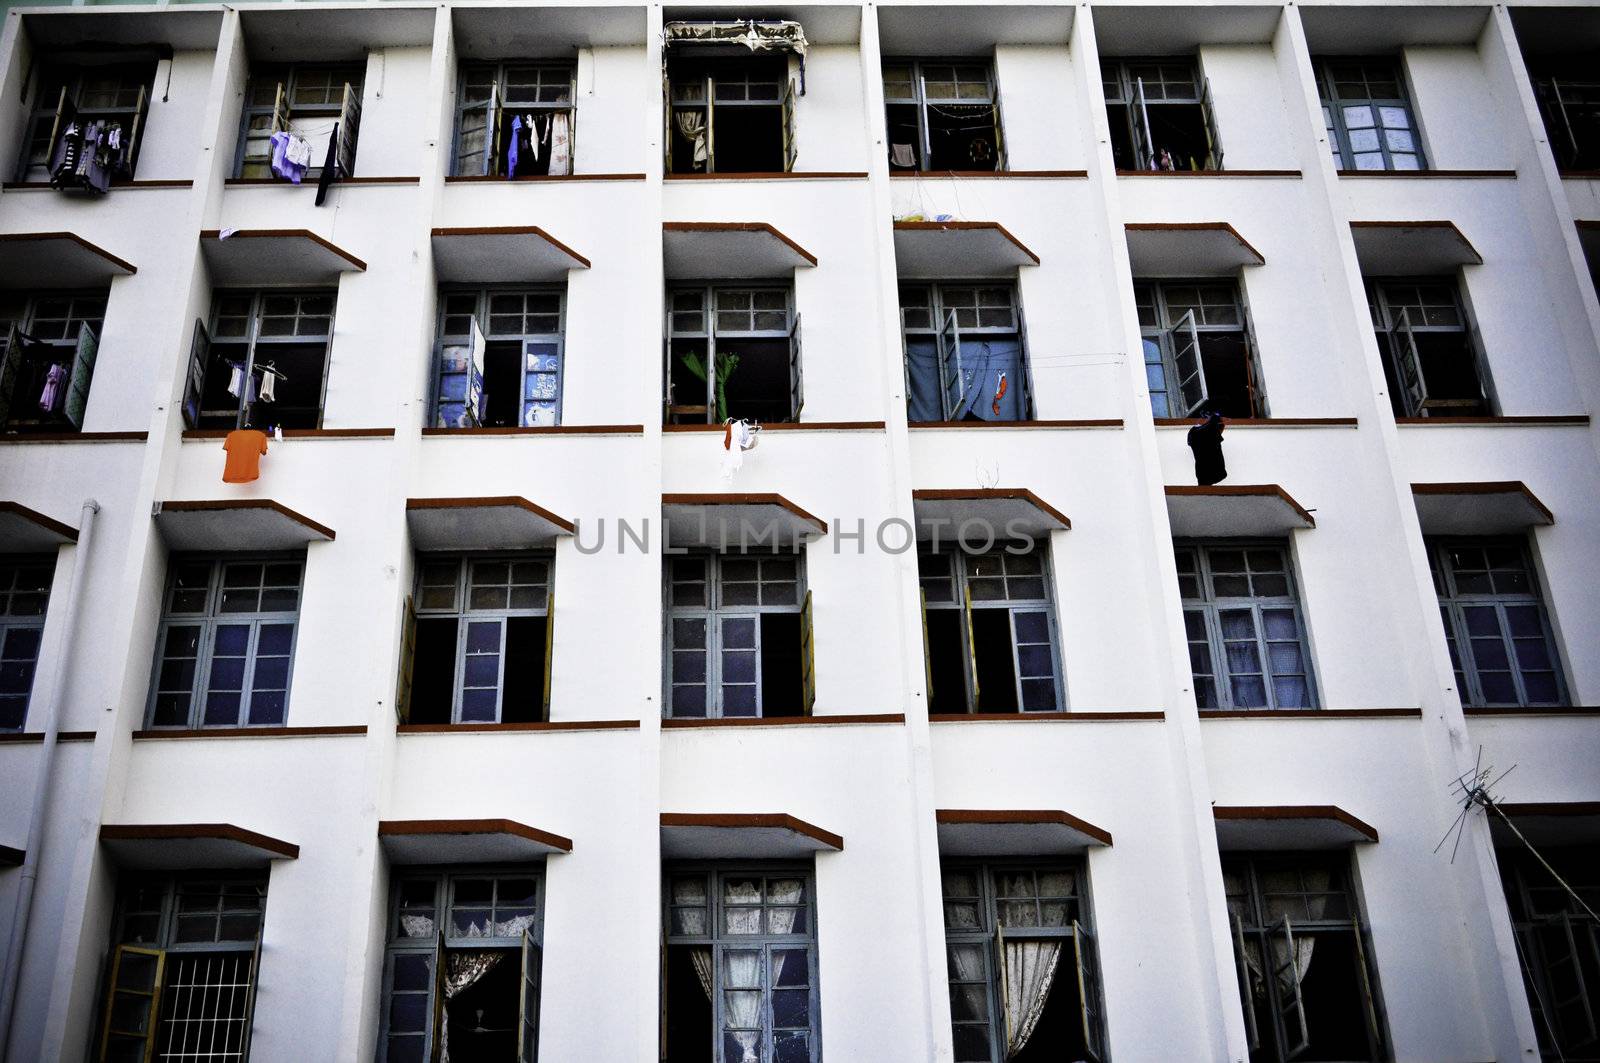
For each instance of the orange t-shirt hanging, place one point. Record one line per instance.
(245, 447)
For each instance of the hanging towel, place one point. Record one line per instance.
(560, 144)
(330, 166)
(902, 155)
(737, 437)
(536, 134)
(513, 152)
(53, 392)
(269, 381)
(236, 382)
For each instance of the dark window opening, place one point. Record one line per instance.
(502, 375)
(1569, 102)
(946, 662)
(966, 353)
(760, 389)
(942, 115)
(1558, 944)
(482, 1021)
(524, 673)
(306, 100)
(262, 363)
(688, 1026)
(781, 693)
(1198, 348)
(529, 106)
(733, 352)
(997, 679)
(93, 98)
(434, 671)
(730, 116)
(991, 631)
(499, 357)
(1059, 1034)
(47, 364)
(1160, 115)
(1430, 359)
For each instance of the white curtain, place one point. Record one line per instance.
(692, 124)
(1314, 883)
(700, 956)
(560, 144)
(461, 970)
(1030, 971)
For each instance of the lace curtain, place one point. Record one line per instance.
(1030, 971)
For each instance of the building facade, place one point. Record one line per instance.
(1004, 738)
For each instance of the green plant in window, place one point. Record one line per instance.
(726, 364)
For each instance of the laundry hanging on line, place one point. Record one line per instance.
(738, 436)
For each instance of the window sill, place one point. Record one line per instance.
(512, 728)
(1210, 173)
(1308, 714)
(1577, 419)
(30, 737)
(234, 182)
(547, 430)
(1579, 175)
(75, 437)
(1262, 422)
(788, 426)
(468, 178)
(192, 434)
(924, 426)
(1044, 717)
(22, 186)
(1430, 173)
(775, 175)
(1579, 711)
(690, 723)
(248, 732)
(1024, 175)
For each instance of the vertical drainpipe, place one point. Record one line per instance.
(41, 787)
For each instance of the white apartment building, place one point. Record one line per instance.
(309, 767)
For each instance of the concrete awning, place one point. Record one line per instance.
(968, 29)
(707, 250)
(1411, 248)
(1243, 828)
(1548, 822)
(502, 255)
(183, 846)
(720, 521)
(1014, 832)
(508, 522)
(466, 841)
(743, 836)
(1003, 509)
(1188, 249)
(1245, 509)
(11, 857)
(938, 249)
(1499, 507)
(57, 260)
(236, 524)
(27, 531)
(274, 256)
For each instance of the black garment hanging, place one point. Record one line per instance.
(1205, 440)
(329, 165)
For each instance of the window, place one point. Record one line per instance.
(1429, 351)
(262, 363)
(966, 353)
(463, 966)
(47, 365)
(990, 631)
(24, 593)
(739, 636)
(499, 357)
(1199, 351)
(181, 980)
(1558, 942)
(226, 643)
(942, 115)
(1024, 973)
(479, 640)
(1247, 642)
(306, 99)
(741, 965)
(1500, 641)
(515, 119)
(74, 101)
(1569, 101)
(1307, 986)
(730, 115)
(732, 351)
(1368, 117)
(1160, 114)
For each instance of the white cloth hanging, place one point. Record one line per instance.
(737, 437)
(269, 381)
(560, 144)
(692, 124)
(236, 382)
(535, 135)
(901, 155)
(298, 150)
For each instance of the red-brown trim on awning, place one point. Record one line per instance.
(730, 228)
(965, 248)
(753, 821)
(114, 264)
(1533, 511)
(1222, 493)
(973, 226)
(34, 529)
(491, 242)
(1220, 227)
(1353, 829)
(313, 529)
(1014, 816)
(280, 234)
(993, 494)
(407, 828)
(224, 832)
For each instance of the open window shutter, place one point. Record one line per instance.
(133, 1003)
(1089, 1007)
(528, 1002)
(1004, 979)
(549, 652)
(1186, 359)
(790, 150)
(954, 379)
(475, 393)
(666, 374)
(808, 659)
(1025, 361)
(130, 150)
(661, 994)
(1247, 998)
(666, 119)
(1408, 364)
(280, 110)
(491, 132)
(1286, 976)
(55, 126)
(250, 992)
(349, 129)
(194, 381)
(1208, 114)
(797, 391)
(1369, 999)
(10, 365)
(1252, 363)
(1141, 127)
(436, 1049)
(999, 132)
(972, 649)
(408, 662)
(927, 657)
(81, 375)
(1556, 106)
(1569, 1004)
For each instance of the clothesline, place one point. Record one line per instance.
(263, 366)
